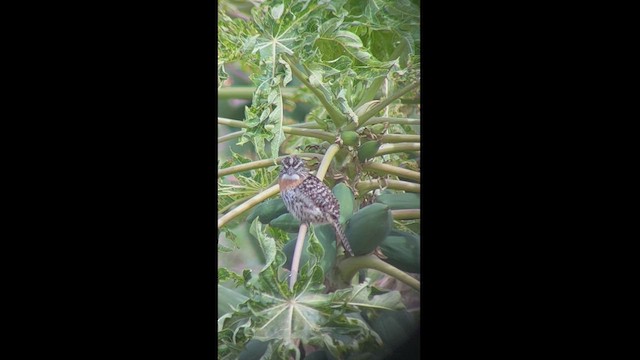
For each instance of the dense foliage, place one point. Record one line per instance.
(352, 69)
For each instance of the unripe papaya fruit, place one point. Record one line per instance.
(402, 250)
(400, 201)
(368, 150)
(368, 227)
(349, 138)
(268, 210)
(286, 222)
(346, 199)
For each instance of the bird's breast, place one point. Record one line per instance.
(288, 182)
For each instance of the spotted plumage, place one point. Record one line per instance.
(308, 199)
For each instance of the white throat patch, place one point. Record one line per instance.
(293, 177)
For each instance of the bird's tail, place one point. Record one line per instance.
(341, 237)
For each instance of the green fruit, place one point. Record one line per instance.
(368, 227)
(346, 199)
(268, 210)
(349, 138)
(368, 150)
(286, 222)
(377, 129)
(400, 201)
(402, 250)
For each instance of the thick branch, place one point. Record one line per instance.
(323, 135)
(258, 164)
(393, 170)
(349, 267)
(246, 92)
(230, 136)
(399, 138)
(365, 186)
(396, 148)
(406, 214)
(391, 120)
(248, 205)
(297, 254)
(232, 123)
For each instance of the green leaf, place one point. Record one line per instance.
(276, 12)
(395, 328)
(224, 249)
(228, 300)
(225, 274)
(267, 243)
(272, 313)
(366, 296)
(352, 52)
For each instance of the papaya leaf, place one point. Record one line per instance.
(274, 314)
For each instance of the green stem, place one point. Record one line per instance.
(365, 186)
(349, 267)
(232, 123)
(391, 120)
(323, 135)
(257, 199)
(258, 164)
(292, 129)
(406, 214)
(230, 136)
(297, 254)
(242, 124)
(395, 148)
(239, 201)
(383, 103)
(399, 138)
(246, 92)
(326, 160)
(337, 117)
(307, 125)
(372, 89)
(393, 170)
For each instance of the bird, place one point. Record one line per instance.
(308, 199)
